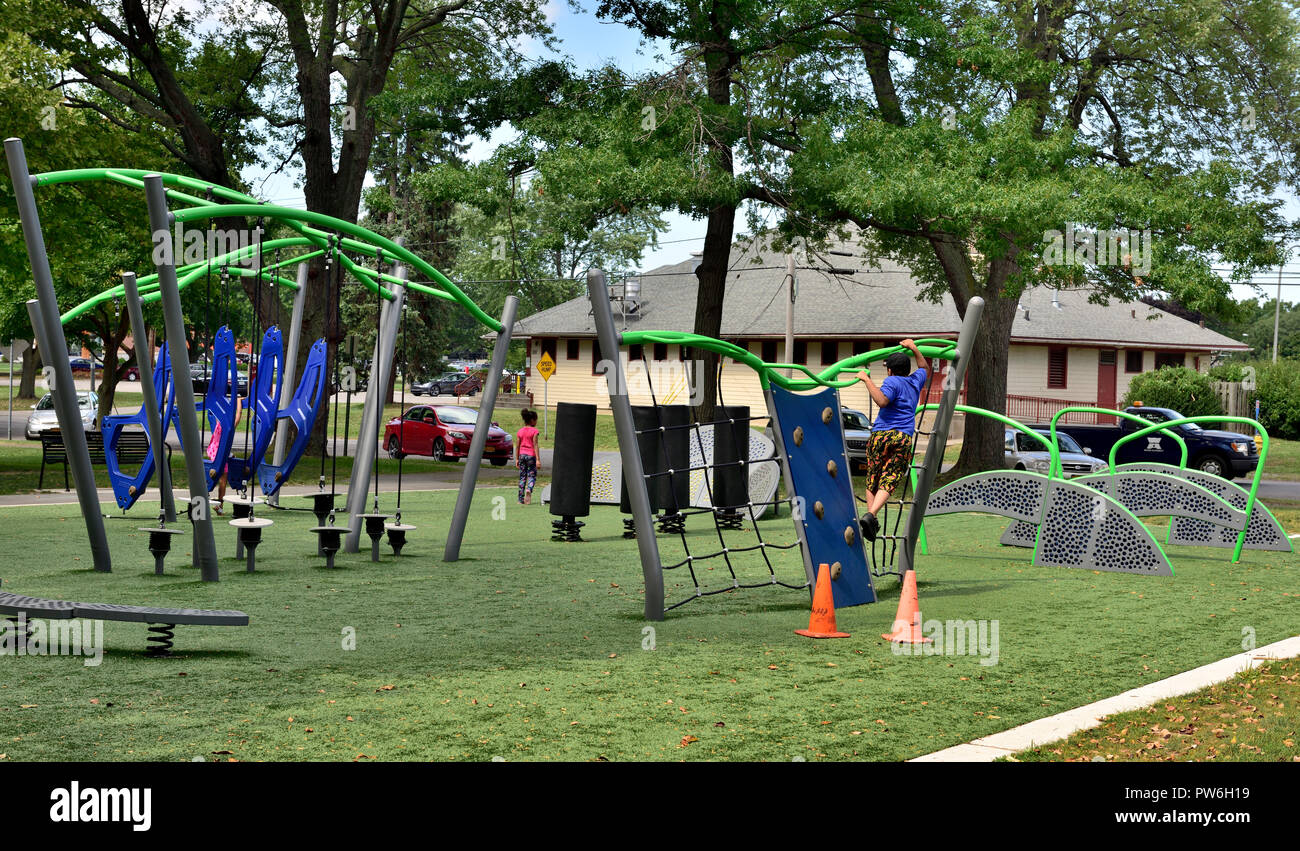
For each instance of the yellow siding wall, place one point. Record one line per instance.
(1026, 376)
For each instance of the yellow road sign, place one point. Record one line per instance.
(546, 366)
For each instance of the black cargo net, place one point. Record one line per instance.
(673, 516)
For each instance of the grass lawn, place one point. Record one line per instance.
(1250, 718)
(532, 650)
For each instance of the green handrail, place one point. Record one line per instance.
(1210, 418)
(768, 372)
(1084, 409)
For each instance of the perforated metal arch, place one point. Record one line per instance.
(1085, 528)
(1017, 494)
(1020, 533)
(1149, 494)
(1263, 532)
(1081, 527)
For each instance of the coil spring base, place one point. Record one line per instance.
(629, 527)
(732, 520)
(672, 524)
(567, 530)
(160, 639)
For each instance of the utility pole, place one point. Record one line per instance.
(1277, 306)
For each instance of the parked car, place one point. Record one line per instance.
(857, 431)
(458, 383)
(1025, 453)
(1220, 453)
(43, 416)
(201, 376)
(83, 365)
(443, 432)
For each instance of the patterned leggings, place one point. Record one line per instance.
(527, 475)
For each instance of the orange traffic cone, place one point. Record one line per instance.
(907, 621)
(821, 623)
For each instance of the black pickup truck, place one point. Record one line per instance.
(1220, 453)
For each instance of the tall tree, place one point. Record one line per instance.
(271, 70)
(986, 131)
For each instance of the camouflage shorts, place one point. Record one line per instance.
(889, 459)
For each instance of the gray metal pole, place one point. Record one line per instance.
(469, 478)
(205, 548)
(939, 437)
(367, 438)
(153, 417)
(638, 495)
(44, 313)
(290, 368)
(371, 409)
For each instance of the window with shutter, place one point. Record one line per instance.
(1057, 367)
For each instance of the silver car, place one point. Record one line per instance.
(43, 416)
(857, 431)
(1025, 453)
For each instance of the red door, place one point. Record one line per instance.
(1106, 384)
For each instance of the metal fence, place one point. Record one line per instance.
(1036, 409)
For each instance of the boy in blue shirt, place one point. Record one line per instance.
(889, 451)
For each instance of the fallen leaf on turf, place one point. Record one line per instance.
(686, 740)
(28, 705)
(95, 700)
(223, 753)
(385, 688)
(771, 667)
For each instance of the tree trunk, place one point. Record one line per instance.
(31, 365)
(712, 276)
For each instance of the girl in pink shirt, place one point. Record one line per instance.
(527, 453)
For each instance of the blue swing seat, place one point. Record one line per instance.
(302, 411)
(265, 399)
(219, 402)
(127, 488)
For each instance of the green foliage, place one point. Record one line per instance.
(1184, 390)
(1277, 389)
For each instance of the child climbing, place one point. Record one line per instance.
(527, 454)
(889, 450)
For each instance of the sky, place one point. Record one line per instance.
(590, 42)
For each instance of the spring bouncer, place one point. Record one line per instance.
(673, 478)
(575, 441)
(730, 462)
(646, 422)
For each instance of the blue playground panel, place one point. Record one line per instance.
(808, 476)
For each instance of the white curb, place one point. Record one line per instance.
(1047, 730)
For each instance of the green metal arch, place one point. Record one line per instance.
(1206, 418)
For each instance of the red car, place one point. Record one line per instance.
(444, 432)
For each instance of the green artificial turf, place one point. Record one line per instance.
(527, 649)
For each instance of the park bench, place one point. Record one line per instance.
(132, 448)
(162, 622)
